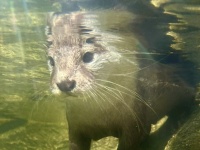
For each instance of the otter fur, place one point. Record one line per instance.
(109, 89)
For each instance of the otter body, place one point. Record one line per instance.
(110, 91)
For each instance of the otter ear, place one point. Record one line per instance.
(48, 30)
(49, 22)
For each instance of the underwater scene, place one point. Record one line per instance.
(33, 115)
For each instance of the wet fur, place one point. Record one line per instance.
(109, 99)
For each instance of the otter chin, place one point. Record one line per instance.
(118, 93)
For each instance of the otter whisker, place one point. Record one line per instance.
(99, 95)
(84, 97)
(88, 95)
(121, 100)
(116, 89)
(92, 95)
(105, 98)
(118, 85)
(141, 58)
(138, 97)
(95, 98)
(129, 74)
(107, 88)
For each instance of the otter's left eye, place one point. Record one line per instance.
(51, 61)
(88, 57)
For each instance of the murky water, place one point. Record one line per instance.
(32, 118)
(25, 122)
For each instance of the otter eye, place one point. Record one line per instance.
(51, 61)
(88, 57)
(90, 40)
(49, 43)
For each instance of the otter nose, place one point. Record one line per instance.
(66, 85)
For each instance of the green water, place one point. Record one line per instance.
(25, 122)
(30, 117)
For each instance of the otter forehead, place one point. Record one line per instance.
(66, 56)
(63, 30)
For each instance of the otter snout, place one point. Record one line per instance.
(67, 85)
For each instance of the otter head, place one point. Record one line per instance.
(73, 55)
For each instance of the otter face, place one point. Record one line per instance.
(73, 70)
(74, 56)
(69, 69)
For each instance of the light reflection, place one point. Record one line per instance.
(192, 8)
(17, 30)
(26, 10)
(158, 3)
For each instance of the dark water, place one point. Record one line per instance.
(32, 118)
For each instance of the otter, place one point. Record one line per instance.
(109, 89)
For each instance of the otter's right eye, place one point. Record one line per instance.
(51, 61)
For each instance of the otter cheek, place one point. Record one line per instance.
(55, 90)
(53, 87)
(83, 81)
